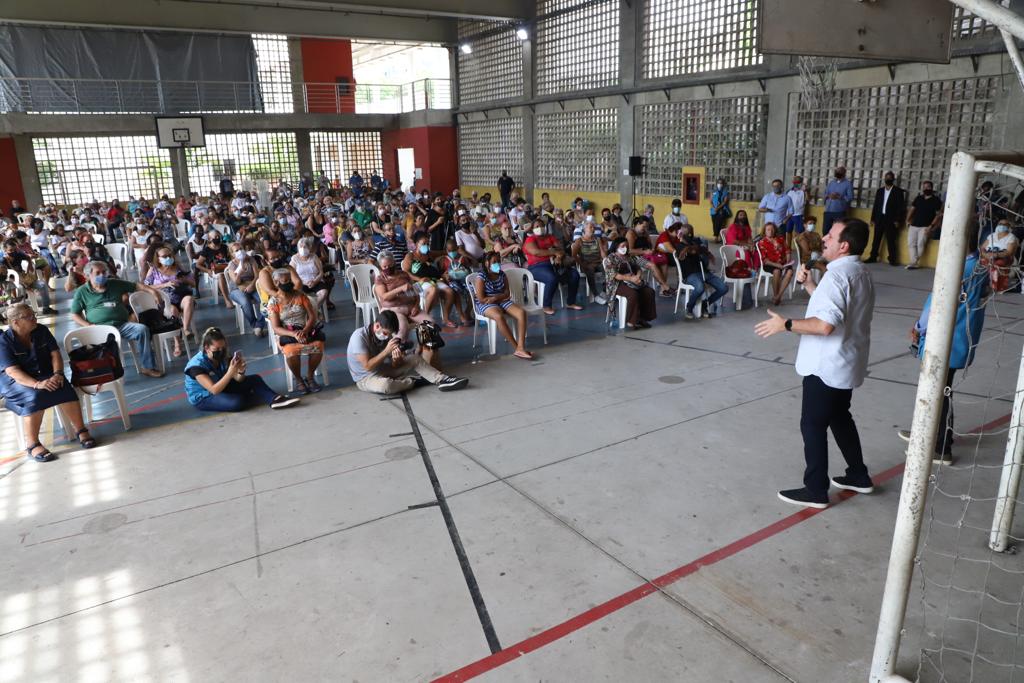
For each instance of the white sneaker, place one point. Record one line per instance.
(259, 331)
(600, 300)
(904, 434)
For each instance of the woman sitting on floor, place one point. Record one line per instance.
(294, 320)
(33, 380)
(776, 260)
(168, 278)
(494, 300)
(626, 276)
(215, 383)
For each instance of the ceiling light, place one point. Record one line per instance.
(522, 33)
(466, 48)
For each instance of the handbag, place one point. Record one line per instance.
(157, 323)
(428, 334)
(738, 270)
(96, 364)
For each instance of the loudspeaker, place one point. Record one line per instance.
(636, 166)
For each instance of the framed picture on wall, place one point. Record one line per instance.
(691, 188)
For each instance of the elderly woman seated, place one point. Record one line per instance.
(213, 382)
(316, 280)
(626, 275)
(494, 300)
(395, 291)
(167, 278)
(776, 260)
(243, 272)
(33, 380)
(294, 321)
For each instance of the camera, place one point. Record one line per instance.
(406, 346)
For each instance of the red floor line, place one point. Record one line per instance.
(579, 621)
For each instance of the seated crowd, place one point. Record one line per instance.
(278, 259)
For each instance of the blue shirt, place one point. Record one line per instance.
(718, 198)
(200, 364)
(36, 360)
(780, 208)
(970, 315)
(844, 188)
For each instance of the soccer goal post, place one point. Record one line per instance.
(958, 216)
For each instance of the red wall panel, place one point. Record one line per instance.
(435, 150)
(10, 176)
(324, 61)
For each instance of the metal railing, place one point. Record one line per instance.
(97, 96)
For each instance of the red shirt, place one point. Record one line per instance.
(737, 233)
(543, 242)
(663, 238)
(774, 249)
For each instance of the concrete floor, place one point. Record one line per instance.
(615, 499)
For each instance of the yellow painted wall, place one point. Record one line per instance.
(562, 199)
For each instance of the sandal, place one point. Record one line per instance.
(525, 355)
(449, 324)
(45, 456)
(87, 442)
(302, 387)
(575, 307)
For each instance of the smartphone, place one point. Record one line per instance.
(237, 357)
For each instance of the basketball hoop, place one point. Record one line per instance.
(817, 81)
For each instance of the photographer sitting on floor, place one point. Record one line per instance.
(379, 360)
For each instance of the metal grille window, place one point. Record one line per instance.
(693, 36)
(911, 129)
(274, 70)
(77, 170)
(486, 148)
(338, 154)
(727, 136)
(578, 150)
(967, 26)
(246, 157)
(494, 70)
(578, 49)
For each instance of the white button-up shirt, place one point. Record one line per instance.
(845, 299)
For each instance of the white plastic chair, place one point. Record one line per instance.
(766, 277)
(814, 272)
(275, 347)
(362, 277)
(22, 216)
(143, 301)
(492, 326)
(681, 287)
(526, 292)
(730, 253)
(181, 230)
(19, 426)
(166, 303)
(98, 334)
(119, 252)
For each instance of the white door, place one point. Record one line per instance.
(406, 167)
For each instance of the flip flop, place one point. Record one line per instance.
(525, 355)
(449, 324)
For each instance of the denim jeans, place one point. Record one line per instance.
(698, 283)
(239, 395)
(139, 333)
(544, 272)
(250, 305)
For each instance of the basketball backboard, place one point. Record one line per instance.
(180, 131)
(890, 30)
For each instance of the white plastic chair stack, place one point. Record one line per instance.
(729, 254)
(525, 291)
(143, 301)
(362, 276)
(98, 334)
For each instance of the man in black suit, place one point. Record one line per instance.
(886, 213)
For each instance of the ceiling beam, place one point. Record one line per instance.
(312, 18)
(493, 10)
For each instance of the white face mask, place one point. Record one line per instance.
(623, 250)
(240, 254)
(590, 219)
(810, 227)
(538, 231)
(1002, 228)
(357, 235)
(381, 336)
(303, 252)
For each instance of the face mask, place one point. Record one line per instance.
(453, 255)
(100, 280)
(777, 190)
(494, 221)
(240, 254)
(357, 235)
(538, 231)
(927, 193)
(381, 213)
(303, 252)
(287, 287)
(218, 356)
(676, 210)
(809, 227)
(720, 186)
(889, 181)
(590, 219)
(424, 249)
(495, 268)
(279, 262)
(1002, 228)
(381, 336)
(623, 251)
(166, 260)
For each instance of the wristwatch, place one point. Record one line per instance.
(789, 325)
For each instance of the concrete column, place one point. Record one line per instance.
(775, 157)
(295, 68)
(304, 152)
(179, 172)
(629, 75)
(28, 170)
(529, 179)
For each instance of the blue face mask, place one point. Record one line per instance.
(495, 268)
(424, 249)
(101, 280)
(453, 254)
(166, 260)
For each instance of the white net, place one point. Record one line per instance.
(972, 598)
(817, 81)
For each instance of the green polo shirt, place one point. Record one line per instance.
(106, 307)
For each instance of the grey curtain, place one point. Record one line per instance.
(48, 69)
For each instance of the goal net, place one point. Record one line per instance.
(954, 544)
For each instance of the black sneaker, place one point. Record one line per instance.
(805, 498)
(420, 382)
(848, 484)
(49, 311)
(284, 402)
(452, 383)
